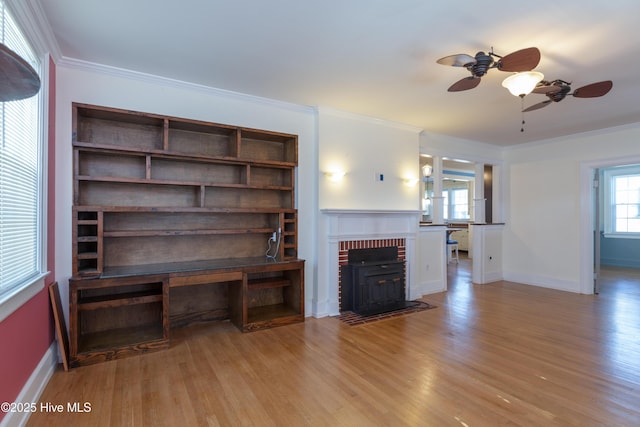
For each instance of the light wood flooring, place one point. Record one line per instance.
(489, 355)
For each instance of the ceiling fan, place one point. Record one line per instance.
(521, 60)
(557, 90)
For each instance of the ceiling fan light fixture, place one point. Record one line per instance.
(521, 84)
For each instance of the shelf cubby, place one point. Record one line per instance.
(268, 198)
(93, 163)
(270, 177)
(105, 345)
(157, 249)
(273, 297)
(201, 172)
(267, 146)
(114, 318)
(192, 222)
(121, 193)
(110, 127)
(190, 137)
(87, 243)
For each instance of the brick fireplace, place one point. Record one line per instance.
(347, 245)
(341, 230)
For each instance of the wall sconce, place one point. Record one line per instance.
(335, 176)
(427, 170)
(521, 84)
(410, 182)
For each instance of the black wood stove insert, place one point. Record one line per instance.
(373, 281)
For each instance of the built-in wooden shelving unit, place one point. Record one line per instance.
(171, 223)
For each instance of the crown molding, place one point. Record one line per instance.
(78, 64)
(369, 119)
(33, 22)
(570, 137)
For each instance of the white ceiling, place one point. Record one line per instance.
(374, 57)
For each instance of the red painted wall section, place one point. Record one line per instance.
(51, 177)
(28, 332)
(25, 336)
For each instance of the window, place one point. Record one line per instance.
(460, 203)
(622, 201)
(456, 203)
(21, 178)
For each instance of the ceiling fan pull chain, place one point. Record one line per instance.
(522, 112)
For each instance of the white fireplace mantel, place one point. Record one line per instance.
(338, 225)
(374, 224)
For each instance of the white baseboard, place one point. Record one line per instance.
(323, 309)
(34, 386)
(542, 281)
(493, 276)
(426, 288)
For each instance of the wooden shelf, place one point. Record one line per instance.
(88, 255)
(145, 181)
(271, 315)
(172, 206)
(158, 233)
(88, 271)
(118, 339)
(268, 283)
(160, 209)
(181, 155)
(117, 300)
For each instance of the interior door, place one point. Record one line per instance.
(596, 231)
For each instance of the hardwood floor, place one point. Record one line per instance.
(496, 354)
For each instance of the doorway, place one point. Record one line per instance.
(457, 193)
(592, 211)
(617, 246)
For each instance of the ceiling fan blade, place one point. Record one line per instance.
(459, 60)
(521, 60)
(593, 90)
(537, 106)
(545, 89)
(464, 84)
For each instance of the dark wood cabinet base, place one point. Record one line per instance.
(117, 316)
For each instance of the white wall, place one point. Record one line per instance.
(121, 89)
(456, 148)
(362, 147)
(548, 230)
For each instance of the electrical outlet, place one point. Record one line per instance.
(273, 237)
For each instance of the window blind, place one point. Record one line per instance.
(19, 174)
